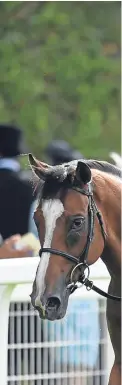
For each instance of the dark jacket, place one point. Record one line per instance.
(15, 202)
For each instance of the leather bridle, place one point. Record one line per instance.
(81, 262)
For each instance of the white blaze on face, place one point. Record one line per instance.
(52, 210)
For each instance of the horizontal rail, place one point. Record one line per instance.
(59, 375)
(23, 270)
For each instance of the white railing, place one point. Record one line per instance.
(16, 277)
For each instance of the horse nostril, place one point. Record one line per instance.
(53, 302)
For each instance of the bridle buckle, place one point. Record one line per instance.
(84, 264)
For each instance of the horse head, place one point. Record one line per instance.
(67, 231)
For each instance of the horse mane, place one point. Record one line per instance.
(55, 182)
(104, 166)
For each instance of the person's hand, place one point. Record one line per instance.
(7, 249)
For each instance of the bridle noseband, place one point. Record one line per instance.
(81, 262)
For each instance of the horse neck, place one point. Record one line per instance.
(107, 194)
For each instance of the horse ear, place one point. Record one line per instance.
(83, 172)
(40, 169)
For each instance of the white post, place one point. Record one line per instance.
(110, 355)
(5, 294)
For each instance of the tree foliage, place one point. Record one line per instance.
(56, 80)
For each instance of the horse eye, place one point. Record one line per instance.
(77, 223)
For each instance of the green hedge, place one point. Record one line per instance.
(55, 80)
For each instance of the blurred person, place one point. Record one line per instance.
(8, 248)
(16, 198)
(59, 151)
(16, 193)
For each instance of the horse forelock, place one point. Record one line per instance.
(60, 179)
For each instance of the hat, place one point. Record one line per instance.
(60, 152)
(11, 141)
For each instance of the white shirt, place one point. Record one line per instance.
(9, 164)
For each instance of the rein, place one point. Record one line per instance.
(82, 262)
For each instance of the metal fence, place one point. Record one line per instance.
(35, 349)
(47, 353)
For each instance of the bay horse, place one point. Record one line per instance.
(78, 218)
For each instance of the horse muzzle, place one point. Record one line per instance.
(52, 304)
